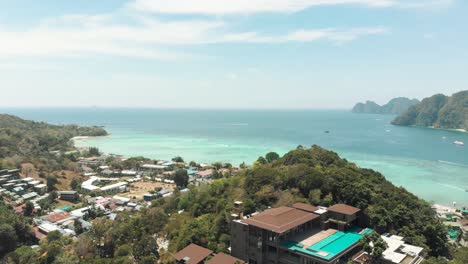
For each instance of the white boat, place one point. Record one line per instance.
(459, 143)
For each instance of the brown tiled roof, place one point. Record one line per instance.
(194, 253)
(55, 217)
(38, 234)
(222, 258)
(205, 173)
(305, 207)
(343, 209)
(280, 219)
(464, 224)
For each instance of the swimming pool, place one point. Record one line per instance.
(330, 246)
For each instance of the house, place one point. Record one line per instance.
(70, 196)
(297, 234)
(40, 189)
(342, 216)
(153, 167)
(58, 217)
(28, 196)
(148, 197)
(192, 254)
(204, 173)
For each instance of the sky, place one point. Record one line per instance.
(280, 54)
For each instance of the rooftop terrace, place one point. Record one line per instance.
(280, 219)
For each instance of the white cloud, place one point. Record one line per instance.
(218, 7)
(76, 36)
(333, 35)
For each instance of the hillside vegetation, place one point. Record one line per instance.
(22, 140)
(395, 106)
(440, 111)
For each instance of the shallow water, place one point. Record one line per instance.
(424, 161)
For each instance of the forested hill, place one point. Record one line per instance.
(395, 106)
(316, 176)
(23, 138)
(438, 111)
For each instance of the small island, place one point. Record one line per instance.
(395, 106)
(438, 111)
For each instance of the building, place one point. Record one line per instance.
(222, 258)
(70, 196)
(192, 254)
(204, 174)
(401, 253)
(301, 233)
(40, 188)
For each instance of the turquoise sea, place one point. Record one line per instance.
(422, 160)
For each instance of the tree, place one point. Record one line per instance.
(242, 165)
(271, 156)
(74, 184)
(181, 178)
(192, 164)
(261, 160)
(7, 233)
(93, 151)
(123, 251)
(178, 159)
(28, 208)
(374, 245)
(218, 165)
(314, 196)
(146, 247)
(23, 254)
(51, 182)
(78, 227)
(53, 236)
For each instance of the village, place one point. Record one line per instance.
(104, 191)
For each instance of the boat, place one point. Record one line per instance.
(459, 143)
(327, 131)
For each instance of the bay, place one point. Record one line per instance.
(422, 160)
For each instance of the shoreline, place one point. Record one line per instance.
(88, 137)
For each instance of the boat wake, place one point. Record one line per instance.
(453, 163)
(452, 187)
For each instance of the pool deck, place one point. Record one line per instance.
(325, 244)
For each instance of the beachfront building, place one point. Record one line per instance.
(301, 233)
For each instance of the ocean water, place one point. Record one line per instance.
(422, 160)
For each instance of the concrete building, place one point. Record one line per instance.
(70, 196)
(301, 233)
(40, 189)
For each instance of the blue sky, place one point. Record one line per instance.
(230, 54)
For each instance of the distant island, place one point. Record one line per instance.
(438, 111)
(395, 106)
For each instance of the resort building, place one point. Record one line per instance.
(301, 233)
